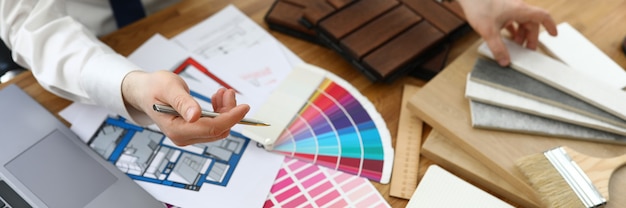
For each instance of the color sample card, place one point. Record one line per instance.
(326, 122)
(336, 131)
(302, 184)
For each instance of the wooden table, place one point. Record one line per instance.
(385, 96)
(179, 17)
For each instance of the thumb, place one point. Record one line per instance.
(184, 103)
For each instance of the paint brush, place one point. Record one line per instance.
(566, 178)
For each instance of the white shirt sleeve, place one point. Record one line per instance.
(65, 58)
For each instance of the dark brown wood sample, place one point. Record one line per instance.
(339, 3)
(384, 39)
(404, 48)
(353, 16)
(291, 16)
(455, 8)
(285, 16)
(439, 16)
(317, 10)
(379, 31)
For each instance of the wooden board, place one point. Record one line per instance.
(441, 104)
(407, 149)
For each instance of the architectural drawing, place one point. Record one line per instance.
(147, 155)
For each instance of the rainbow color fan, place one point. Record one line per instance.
(320, 118)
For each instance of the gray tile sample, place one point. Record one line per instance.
(491, 117)
(490, 73)
(494, 96)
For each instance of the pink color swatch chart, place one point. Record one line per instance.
(302, 184)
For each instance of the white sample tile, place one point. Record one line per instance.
(573, 49)
(562, 77)
(440, 188)
(494, 96)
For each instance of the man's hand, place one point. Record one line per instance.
(142, 89)
(489, 17)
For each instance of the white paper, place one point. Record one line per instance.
(227, 31)
(258, 69)
(84, 119)
(257, 168)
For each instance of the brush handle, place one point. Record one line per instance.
(598, 170)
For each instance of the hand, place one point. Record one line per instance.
(489, 17)
(142, 89)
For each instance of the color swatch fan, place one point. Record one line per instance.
(318, 117)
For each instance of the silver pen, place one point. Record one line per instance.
(169, 110)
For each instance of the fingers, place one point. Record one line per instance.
(532, 14)
(229, 101)
(532, 35)
(223, 100)
(177, 95)
(543, 17)
(229, 118)
(498, 49)
(167, 88)
(550, 26)
(205, 129)
(530, 20)
(511, 29)
(182, 132)
(521, 35)
(216, 99)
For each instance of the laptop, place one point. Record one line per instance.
(44, 164)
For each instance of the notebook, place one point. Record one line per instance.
(44, 164)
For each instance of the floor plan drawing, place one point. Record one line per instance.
(147, 155)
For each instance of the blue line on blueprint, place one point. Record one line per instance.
(200, 96)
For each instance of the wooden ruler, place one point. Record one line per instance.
(407, 151)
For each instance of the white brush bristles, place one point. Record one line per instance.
(551, 186)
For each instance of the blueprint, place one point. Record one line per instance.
(243, 57)
(147, 155)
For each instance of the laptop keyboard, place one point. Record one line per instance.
(9, 198)
(3, 203)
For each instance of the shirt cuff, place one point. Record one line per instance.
(102, 80)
